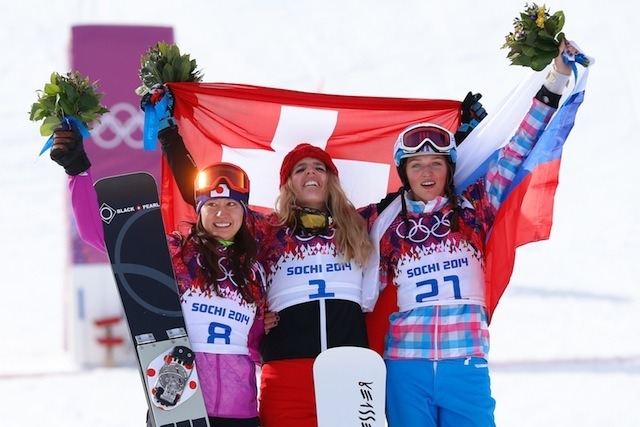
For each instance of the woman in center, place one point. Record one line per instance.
(314, 248)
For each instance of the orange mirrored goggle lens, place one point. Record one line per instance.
(210, 177)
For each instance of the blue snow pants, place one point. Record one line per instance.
(443, 393)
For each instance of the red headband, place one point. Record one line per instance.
(299, 153)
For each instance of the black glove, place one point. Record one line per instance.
(472, 114)
(472, 108)
(68, 150)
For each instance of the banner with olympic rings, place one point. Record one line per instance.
(111, 55)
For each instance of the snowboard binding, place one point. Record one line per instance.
(173, 376)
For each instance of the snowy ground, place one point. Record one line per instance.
(565, 348)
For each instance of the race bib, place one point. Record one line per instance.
(216, 324)
(440, 278)
(317, 275)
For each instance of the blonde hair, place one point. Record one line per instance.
(352, 238)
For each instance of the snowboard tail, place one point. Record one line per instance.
(350, 385)
(137, 247)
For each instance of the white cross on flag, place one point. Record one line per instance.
(255, 127)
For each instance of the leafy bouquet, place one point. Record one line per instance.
(67, 97)
(536, 37)
(163, 63)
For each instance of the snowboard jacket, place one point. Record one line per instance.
(315, 291)
(224, 330)
(440, 274)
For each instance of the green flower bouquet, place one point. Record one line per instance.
(161, 64)
(69, 97)
(164, 63)
(535, 38)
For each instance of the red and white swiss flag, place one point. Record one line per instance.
(255, 127)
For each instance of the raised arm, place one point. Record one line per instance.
(182, 165)
(504, 169)
(68, 151)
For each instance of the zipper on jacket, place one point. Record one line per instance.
(218, 388)
(323, 325)
(436, 334)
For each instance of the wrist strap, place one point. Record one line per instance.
(556, 82)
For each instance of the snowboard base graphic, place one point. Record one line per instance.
(350, 387)
(137, 247)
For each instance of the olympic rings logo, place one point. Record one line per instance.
(419, 232)
(225, 272)
(121, 125)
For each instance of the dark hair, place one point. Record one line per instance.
(241, 257)
(450, 192)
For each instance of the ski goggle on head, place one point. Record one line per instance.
(424, 139)
(221, 180)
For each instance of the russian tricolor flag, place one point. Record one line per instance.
(526, 212)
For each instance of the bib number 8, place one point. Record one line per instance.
(219, 331)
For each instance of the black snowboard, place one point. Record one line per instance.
(136, 243)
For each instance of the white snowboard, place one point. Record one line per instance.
(350, 387)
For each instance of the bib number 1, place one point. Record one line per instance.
(322, 290)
